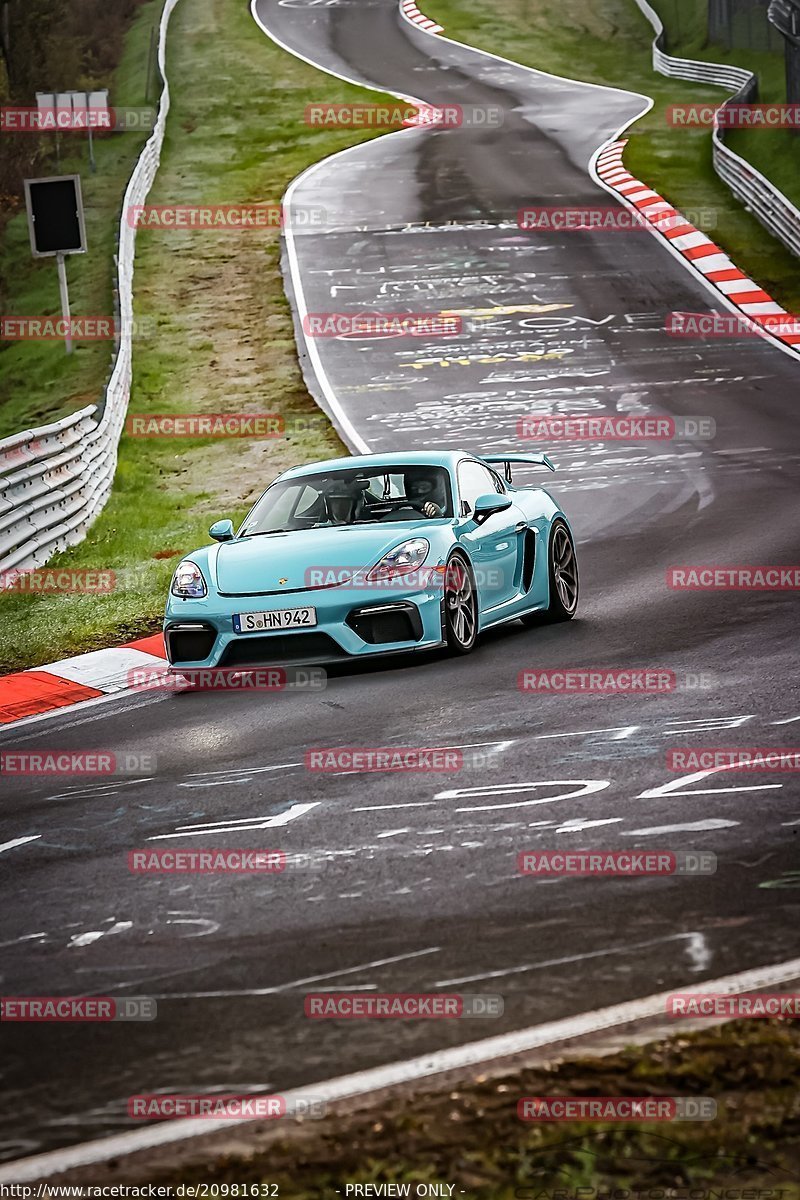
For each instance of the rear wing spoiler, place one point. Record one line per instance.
(536, 460)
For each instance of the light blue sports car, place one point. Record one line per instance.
(375, 554)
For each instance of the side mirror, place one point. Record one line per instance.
(487, 506)
(222, 531)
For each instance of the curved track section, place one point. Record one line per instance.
(408, 882)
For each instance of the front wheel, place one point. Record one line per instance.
(460, 607)
(562, 570)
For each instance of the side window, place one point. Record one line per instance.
(474, 480)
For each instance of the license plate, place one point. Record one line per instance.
(278, 618)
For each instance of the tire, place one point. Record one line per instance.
(564, 586)
(460, 606)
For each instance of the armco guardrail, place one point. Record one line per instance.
(55, 480)
(772, 208)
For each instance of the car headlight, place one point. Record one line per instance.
(188, 581)
(409, 556)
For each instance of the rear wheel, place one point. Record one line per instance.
(460, 606)
(562, 568)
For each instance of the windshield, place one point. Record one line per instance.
(351, 497)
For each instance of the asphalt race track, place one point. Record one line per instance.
(408, 882)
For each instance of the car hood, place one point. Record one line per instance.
(303, 560)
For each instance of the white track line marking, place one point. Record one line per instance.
(689, 827)
(19, 842)
(295, 983)
(524, 968)
(425, 1066)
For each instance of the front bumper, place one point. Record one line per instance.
(350, 624)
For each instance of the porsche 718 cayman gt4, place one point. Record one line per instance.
(376, 554)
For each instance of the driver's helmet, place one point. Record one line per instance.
(422, 484)
(342, 498)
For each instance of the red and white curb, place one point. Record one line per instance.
(73, 680)
(410, 11)
(697, 249)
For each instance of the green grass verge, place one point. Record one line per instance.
(609, 42)
(39, 382)
(776, 153)
(223, 339)
(469, 1137)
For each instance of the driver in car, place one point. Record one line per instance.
(344, 501)
(422, 493)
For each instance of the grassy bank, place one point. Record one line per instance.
(609, 42)
(223, 339)
(470, 1137)
(39, 382)
(776, 153)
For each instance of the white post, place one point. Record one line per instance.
(62, 285)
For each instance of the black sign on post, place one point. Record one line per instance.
(55, 215)
(56, 227)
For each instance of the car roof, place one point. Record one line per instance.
(404, 458)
